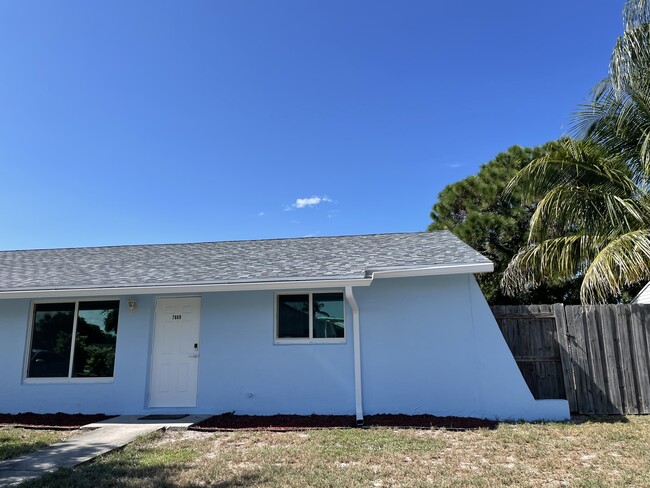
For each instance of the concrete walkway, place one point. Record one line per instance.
(98, 439)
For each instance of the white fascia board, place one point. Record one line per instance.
(182, 289)
(442, 269)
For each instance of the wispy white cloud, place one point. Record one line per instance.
(260, 214)
(310, 201)
(455, 165)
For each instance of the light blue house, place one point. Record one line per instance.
(391, 323)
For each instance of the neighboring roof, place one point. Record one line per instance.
(643, 297)
(275, 260)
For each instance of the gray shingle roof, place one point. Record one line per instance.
(318, 258)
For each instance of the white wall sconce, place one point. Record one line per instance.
(132, 304)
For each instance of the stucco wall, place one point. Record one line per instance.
(240, 367)
(125, 393)
(429, 345)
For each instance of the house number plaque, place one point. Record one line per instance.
(176, 317)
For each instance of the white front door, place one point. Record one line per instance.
(175, 356)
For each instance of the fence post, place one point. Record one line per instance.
(565, 356)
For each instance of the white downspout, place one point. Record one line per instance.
(356, 341)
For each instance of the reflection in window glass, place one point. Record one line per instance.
(328, 315)
(293, 316)
(51, 340)
(94, 348)
(95, 334)
(311, 316)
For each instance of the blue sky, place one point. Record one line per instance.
(127, 122)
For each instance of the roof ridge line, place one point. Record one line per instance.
(271, 239)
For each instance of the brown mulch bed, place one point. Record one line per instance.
(229, 422)
(62, 421)
(424, 420)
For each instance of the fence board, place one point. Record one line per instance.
(597, 357)
(529, 331)
(580, 361)
(640, 357)
(625, 363)
(611, 399)
(595, 354)
(565, 356)
(644, 315)
(551, 377)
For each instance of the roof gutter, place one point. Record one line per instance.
(177, 288)
(180, 288)
(441, 269)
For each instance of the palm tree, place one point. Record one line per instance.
(618, 113)
(592, 219)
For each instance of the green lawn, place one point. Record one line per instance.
(606, 452)
(16, 441)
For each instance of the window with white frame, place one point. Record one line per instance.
(73, 339)
(310, 316)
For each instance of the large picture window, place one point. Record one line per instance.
(73, 340)
(317, 317)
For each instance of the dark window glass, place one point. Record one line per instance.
(94, 348)
(293, 316)
(94, 341)
(51, 340)
(328, 315)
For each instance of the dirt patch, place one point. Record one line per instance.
(229, 422)
(63, 421)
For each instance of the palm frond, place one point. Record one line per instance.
(624, 261)
(636, 12)
(553, 260)
(619, 123)
(631, 56)
(598, 210)
(572, 164)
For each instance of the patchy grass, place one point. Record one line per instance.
(15, 441)
(592, 453)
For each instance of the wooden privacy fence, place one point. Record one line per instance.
(596, 357)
